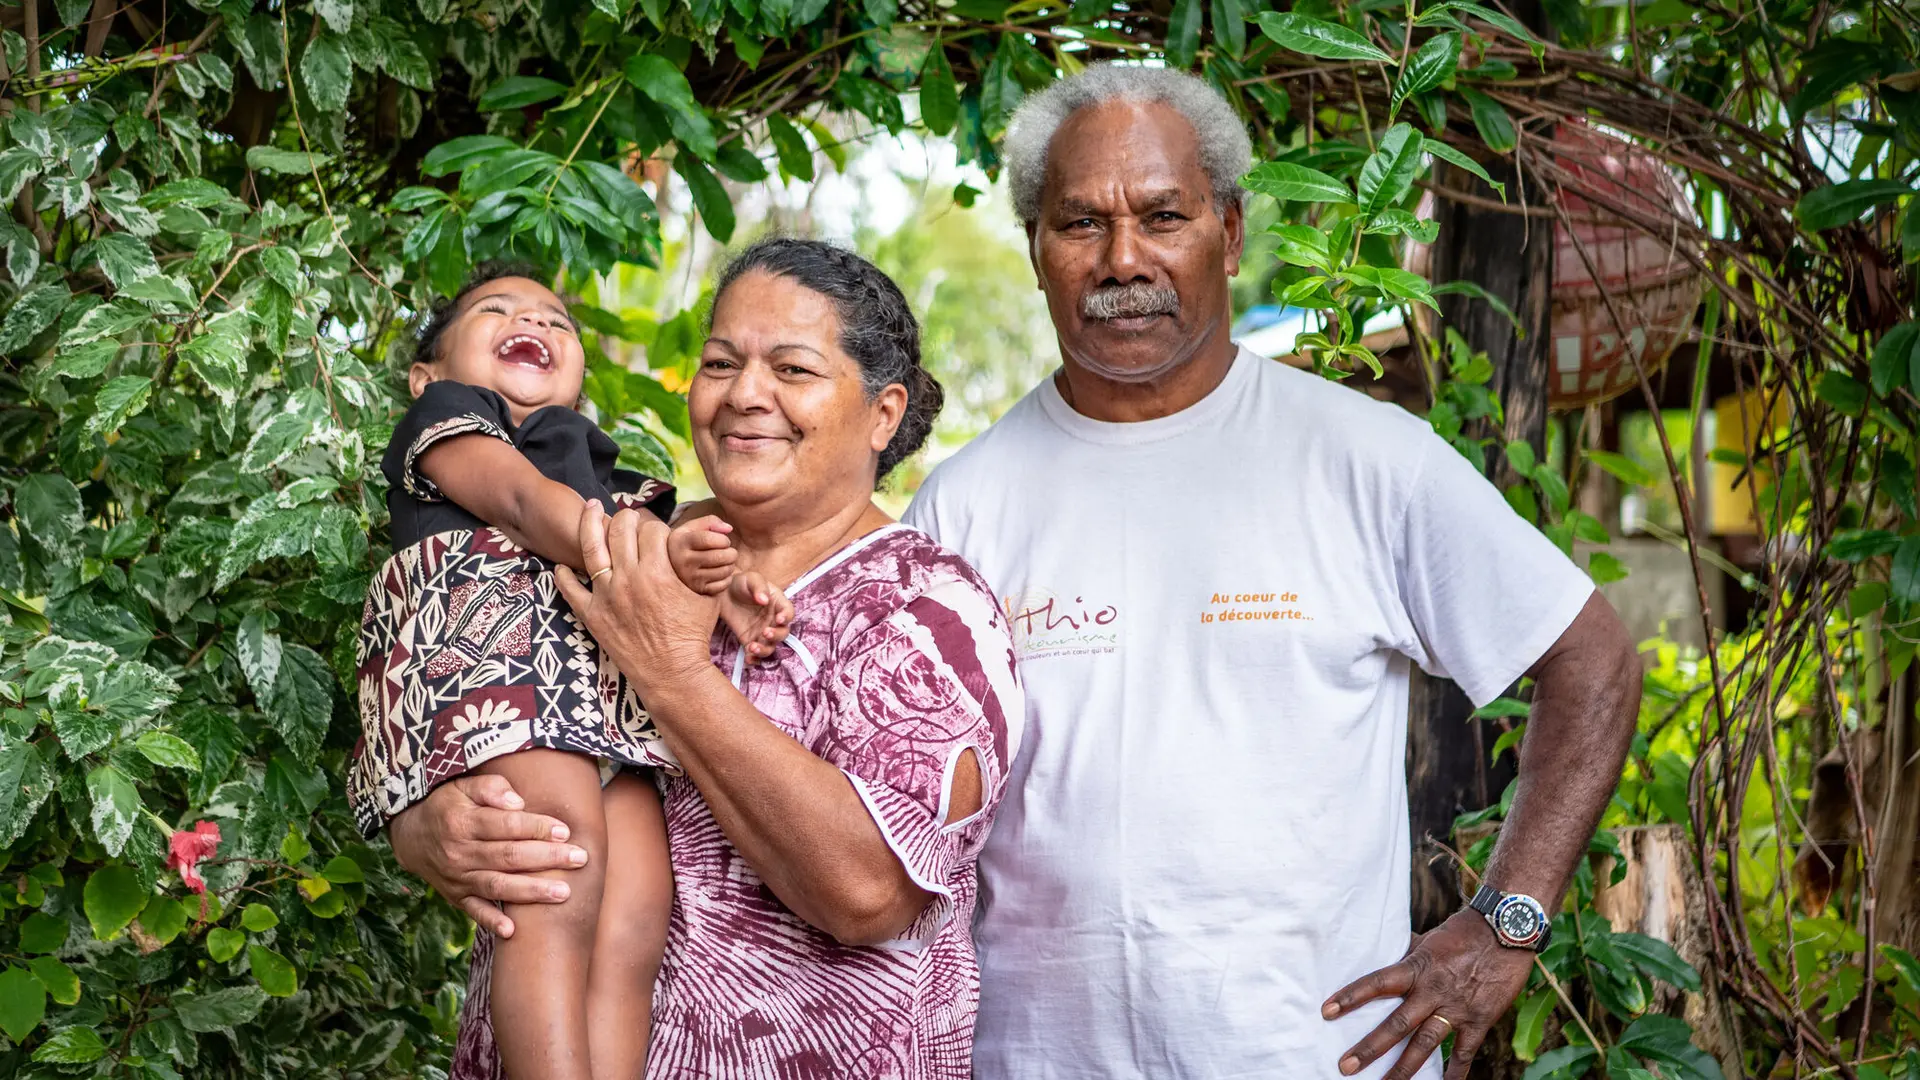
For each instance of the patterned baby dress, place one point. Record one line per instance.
(467, 649)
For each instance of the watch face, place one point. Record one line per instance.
(1519, 921)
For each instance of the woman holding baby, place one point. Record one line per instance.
(829, 795)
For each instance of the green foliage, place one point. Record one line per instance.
(221, 228)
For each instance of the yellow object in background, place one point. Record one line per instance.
(1742, 424)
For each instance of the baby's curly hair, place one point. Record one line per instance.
(429, 327)
(877, 327)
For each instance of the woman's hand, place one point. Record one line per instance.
(656, 629)
(474, 842)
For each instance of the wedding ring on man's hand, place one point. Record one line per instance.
(1442, 1019)
(595, 576)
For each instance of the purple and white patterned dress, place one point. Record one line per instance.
(899, 662)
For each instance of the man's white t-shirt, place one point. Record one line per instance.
(1215, 613)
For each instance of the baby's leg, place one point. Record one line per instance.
(634, 908)
(540, 973)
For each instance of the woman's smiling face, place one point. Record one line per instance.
(514, 337)
(779, 409)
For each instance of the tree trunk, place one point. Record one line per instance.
(1663, 897)
(1510, 256)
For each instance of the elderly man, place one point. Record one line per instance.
(1219, 572)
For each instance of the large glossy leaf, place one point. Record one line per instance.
(796, 157)
(327, 72)
(1839, 204)
(71, 1046)
(112, 897)
(48, 506)
(219, 1010)
(1658, 959)
(274, 972)
(1183, 31)
(116, 807)
(1000, 91)
(665, 85)
(1490, 119)
(939, 104)
(1461, 161)
(456, 155)
(302, 701)
(520, 91)
(273, 159)
(1830, 67)
(1855, 545)
(1487, 14)
(1896, 358)
(1668, 1041)
(1318, 37)
(1563, 1063)
(23, 1003)
(1389, 173)
(1904, 579)
(1230, 26)
(31, 314)
(709, 196)
(1530, 1021)
(1430, 65)
(1295, 183)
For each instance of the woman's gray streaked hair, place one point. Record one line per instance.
(1225, 152)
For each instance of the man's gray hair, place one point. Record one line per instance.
(1225, 152)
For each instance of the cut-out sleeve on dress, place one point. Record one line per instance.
(908, 699)
(442, 411)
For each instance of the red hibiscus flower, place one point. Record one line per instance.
(186, 849)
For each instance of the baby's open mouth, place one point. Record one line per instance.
(527, 351)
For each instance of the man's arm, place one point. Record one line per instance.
(1586, 703)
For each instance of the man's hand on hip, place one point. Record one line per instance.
(474, 842)
(1455, 980)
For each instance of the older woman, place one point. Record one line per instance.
(835, 797)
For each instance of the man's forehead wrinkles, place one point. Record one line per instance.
(1123, 197)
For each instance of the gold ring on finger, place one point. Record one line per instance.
(1442, 1019)
(595, 576)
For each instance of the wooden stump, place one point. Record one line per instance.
(1663, 897)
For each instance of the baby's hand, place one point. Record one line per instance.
(702, 555)
(757, 612)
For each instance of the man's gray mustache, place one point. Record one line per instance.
(1129, 301)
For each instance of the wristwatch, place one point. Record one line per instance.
(1518, 921)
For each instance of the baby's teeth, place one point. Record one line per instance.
(546, 356)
